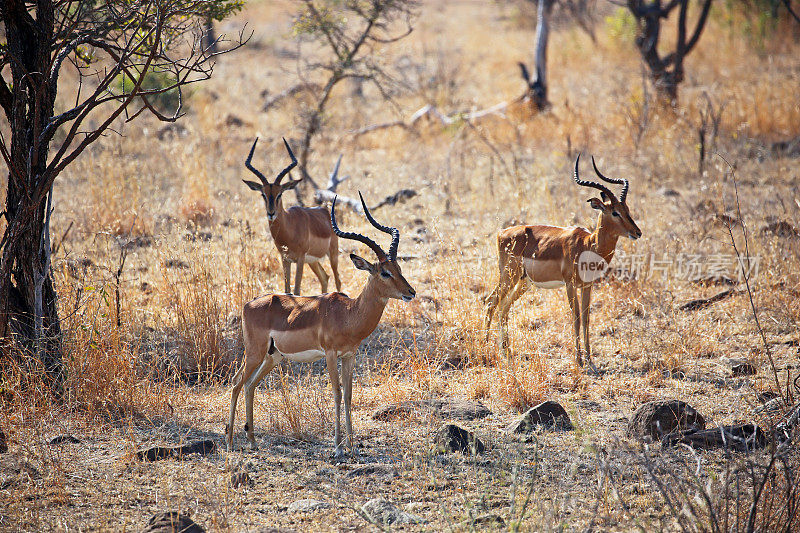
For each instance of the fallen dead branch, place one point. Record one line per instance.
(432, 112)
(702, 303)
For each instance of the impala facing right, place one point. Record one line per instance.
(552, 257)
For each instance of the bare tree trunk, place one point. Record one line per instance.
(29, 321)
(209, 36)
(538, 89)
(666, 71)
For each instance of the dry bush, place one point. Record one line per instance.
(302, 407)
(521, 385)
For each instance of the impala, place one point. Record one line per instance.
(550, 257)
(301, 234)
(306, 329)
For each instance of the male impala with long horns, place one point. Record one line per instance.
(550, 257)
(301, 234)
(306, 329)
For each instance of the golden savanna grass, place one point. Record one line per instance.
(198, 248)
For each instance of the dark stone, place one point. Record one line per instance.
(172, 522)
(444, 408)
(488, 521)
(743, 368)
(175, 263)
(549, 414)
(203, 447)
(369, 470)
(655, 419)
(452, 438)
(62, 439)
(14, 470)
(740, 437)
(3, 443)
(784, 429)
(391, 412)
(241, 479)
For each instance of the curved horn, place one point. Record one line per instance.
(592, 184)
(618, 181)
(251, 168)
(386, 229)
(354, 236)
(291, 165)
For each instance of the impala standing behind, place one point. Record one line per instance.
(306, 329)
(552, 257)
(301, 234)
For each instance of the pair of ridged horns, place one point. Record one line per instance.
(282, 173)
(600, 187)
(382, 256)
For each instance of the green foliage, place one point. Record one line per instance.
(621, 26)
(220, 10)
(755, 19)
(324, 19)
(165, 101)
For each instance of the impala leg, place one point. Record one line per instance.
(298, 275)
(491, 304)
(586, 297)
(333, 254)
(518, 290)
(332, 360)
(287, 273)
(322, 276)
(510, 273)
(348, 365)
(572, 297)
(249, 395)
(245, 372)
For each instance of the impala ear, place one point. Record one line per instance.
(290, 185)
(596, 203)
(253, 185)
(362, 264)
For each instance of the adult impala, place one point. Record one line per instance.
(552, 257)
(301, 234)
(306, 329)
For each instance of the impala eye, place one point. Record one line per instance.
(614, 213)
(385, 274)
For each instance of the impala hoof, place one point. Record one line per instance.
(338, 454)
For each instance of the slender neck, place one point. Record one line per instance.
(276, 226)
(369, 306)
(604, 239)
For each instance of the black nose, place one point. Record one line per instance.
(412, 291)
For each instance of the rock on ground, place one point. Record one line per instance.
(653, 420)
(172, 522)
(739, 437)
(307, 505)
(549, 414)
(386, 513)
(451, 438)
(444, 408)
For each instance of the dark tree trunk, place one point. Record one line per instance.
(25, 281)
(666, 72)
(209, 36)
(538, 89)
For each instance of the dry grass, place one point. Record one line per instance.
(205, 250)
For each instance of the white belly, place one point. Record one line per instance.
(308, 356)
(543, 274)
(312, 259)
(548, 284)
